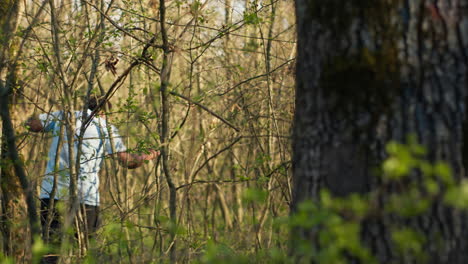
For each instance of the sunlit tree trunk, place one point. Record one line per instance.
(17, 205)
(369, 72)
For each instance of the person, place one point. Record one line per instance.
(100, 139)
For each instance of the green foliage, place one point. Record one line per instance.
(252, 18)
(42, 66)
(195, 7)
(6, 260)
(38, 249)
(408, 204)
(255, 195)
(89, 259)
(334, 223)
(409, 242)
(221, 253)
(337, 237)
(405, 159)
(457, 196)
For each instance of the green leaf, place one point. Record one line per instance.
(251, 18)
(395, 168)
(253, 195)
(38, 249)
(408, 241)
(444, 172)
(457, 196)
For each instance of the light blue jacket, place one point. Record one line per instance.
(96, 144)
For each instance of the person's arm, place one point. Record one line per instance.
(45, 122)
(134, 160)
(125, 158)
(34, 124)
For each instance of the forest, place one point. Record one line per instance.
(233, 131)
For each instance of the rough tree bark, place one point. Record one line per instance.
(373, 71)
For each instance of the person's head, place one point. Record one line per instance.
(94, 101)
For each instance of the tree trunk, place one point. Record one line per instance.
(369, 72)
(165, 77)
(17, 195)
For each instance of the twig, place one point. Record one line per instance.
(215, 155)
(210, 182)
(119, 27)
(206, 109)
(119, 81)
(255, 77)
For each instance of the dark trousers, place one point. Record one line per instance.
(56, 220)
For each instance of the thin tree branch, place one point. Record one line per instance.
(256, 77)
(215, 155)
(119, 27)
(206, 109)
